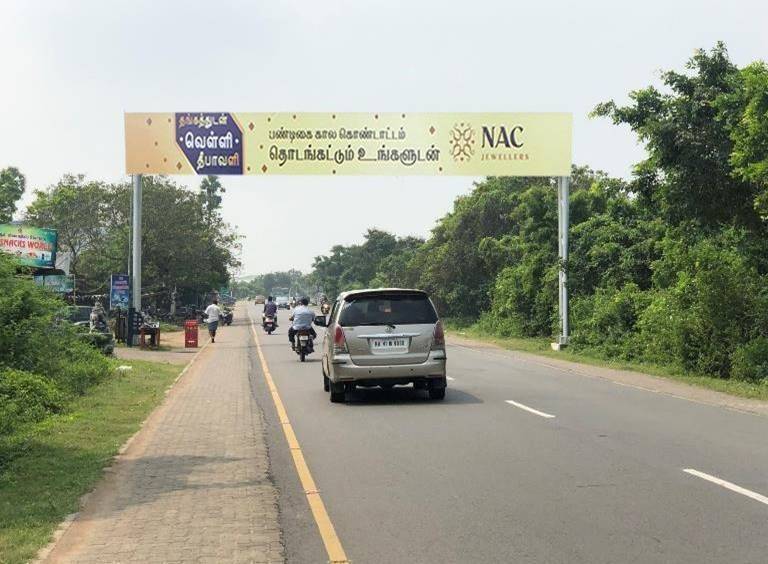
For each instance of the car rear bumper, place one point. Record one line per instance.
(342, 369)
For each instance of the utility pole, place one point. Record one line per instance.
(135, 308)
(563, 220)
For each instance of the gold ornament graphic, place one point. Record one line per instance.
(462, 141)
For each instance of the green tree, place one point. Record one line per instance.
(77, 209)
(211, 190)
(179, 247)
(746, 108)
(12, 184)
(687, 175)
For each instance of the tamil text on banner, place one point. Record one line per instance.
(475, 144)
(32, 246)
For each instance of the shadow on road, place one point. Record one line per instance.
(407, 395)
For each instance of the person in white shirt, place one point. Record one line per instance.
(213, 314)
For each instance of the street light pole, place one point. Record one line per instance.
(563, 220)
(136, 244)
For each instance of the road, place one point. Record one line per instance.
(522, 462)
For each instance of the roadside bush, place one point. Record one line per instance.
(33, 340)
(750, 361)
(24, 398)
(706, 308)
(524, 298)
(43, 360)
(606, 322)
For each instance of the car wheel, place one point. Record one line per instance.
(437, 393)
(338, 392)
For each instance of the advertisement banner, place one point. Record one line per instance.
(119, 291)
(61, 283)
(32, 246)
(392, 144)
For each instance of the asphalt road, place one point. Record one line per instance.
(574, 470)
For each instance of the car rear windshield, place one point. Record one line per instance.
(403, 309)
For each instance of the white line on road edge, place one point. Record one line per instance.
(727, 485)
(450, 378)
(530, 409)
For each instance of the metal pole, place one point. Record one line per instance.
(563, 201)
(136, 229)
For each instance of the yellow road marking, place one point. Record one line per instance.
(336, 554)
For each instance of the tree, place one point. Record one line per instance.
(747, 110)
(179, 247)
(210, 196)
(77, 209)
(687, 175)
(12, 184)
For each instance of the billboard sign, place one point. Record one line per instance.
(60, 283)
(394, 144)
(32, 246)
(119, 291)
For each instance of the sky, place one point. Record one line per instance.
(70, 69)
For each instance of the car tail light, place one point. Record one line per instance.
(438, 338)
(339, 341)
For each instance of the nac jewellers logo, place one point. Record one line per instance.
(462, 142)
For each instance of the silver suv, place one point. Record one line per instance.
(383, 337)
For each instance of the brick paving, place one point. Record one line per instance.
(193, 486)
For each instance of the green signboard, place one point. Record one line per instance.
(32, 246)
(61, 283)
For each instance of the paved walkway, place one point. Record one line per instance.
(193, 485)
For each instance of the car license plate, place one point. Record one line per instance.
(391, 345)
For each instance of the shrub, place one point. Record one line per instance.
(32, 340)
(750, 361)
(25, 397)
(606, 321)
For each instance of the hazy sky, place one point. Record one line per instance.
(70, 69)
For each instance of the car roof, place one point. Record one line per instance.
(381, 291)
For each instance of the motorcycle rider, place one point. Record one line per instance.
(302, 319)
(270, 310)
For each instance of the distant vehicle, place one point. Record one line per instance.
(282, 302)
(269, 323)
(258, 300)
(383, 337)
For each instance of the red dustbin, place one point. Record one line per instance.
(190, 333)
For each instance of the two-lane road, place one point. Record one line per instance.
(521, 463)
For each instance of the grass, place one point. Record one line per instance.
(541, 347)
(45, 468)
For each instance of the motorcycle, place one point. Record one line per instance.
(269, 324)
(304, 344)
(227, 316)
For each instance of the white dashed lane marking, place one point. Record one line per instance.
(727, 485)
(530, 409)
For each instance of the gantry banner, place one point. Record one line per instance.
(392, 144)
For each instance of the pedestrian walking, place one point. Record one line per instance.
(213, 314)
